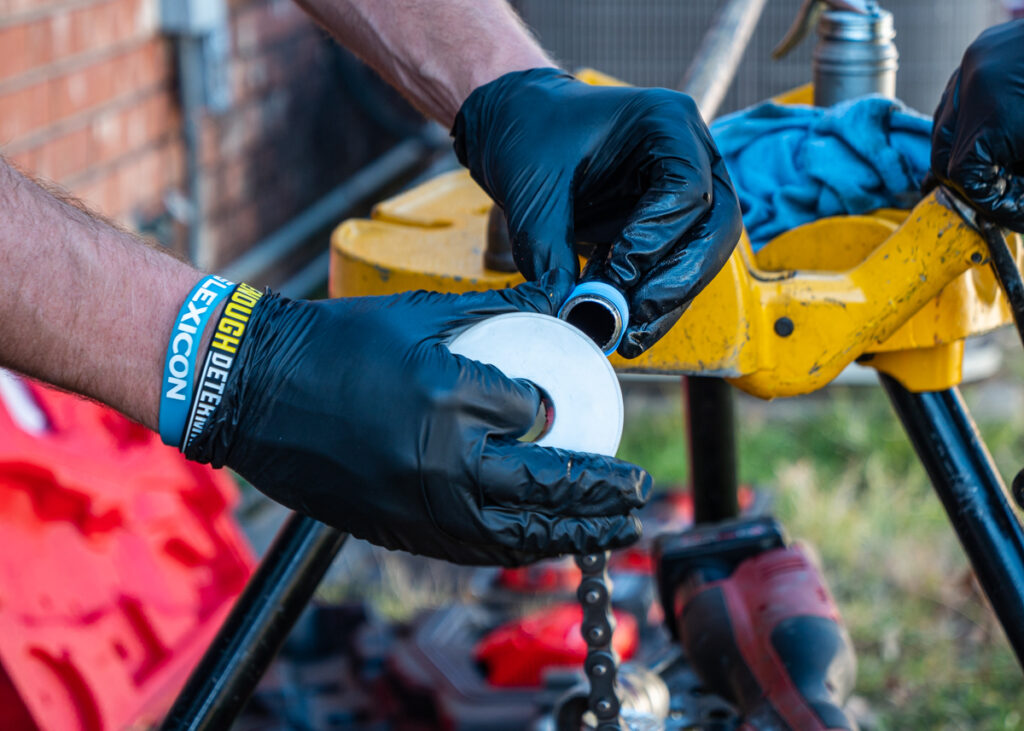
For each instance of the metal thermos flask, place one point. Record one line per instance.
(855, 55)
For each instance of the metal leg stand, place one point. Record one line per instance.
(711, 430)
(973, 494)
(257, 626)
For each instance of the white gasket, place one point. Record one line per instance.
(562, 361)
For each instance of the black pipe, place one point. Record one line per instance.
(973, 494)
(711, 434)
(1005, 267)
(257, 626)
(718, 57)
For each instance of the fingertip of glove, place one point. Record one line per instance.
(630, 532)
(549, 291)
(645, 484)
(634, 343)
(533, 396)
(620, 533)
(559, 283)
(635, 484)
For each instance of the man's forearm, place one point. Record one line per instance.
(84, 305)
(434, 51)
(89, 308)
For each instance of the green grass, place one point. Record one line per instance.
(844, 478)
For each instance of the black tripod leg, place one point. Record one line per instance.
(711, 431)
(973, 494)
(257, 626)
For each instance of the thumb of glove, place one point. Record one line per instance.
(544, 296)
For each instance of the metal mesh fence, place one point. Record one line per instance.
(651, 42)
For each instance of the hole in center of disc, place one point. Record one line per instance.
(543, 421)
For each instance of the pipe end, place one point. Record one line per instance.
(600, 311)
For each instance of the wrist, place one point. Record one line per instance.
(506, 62)
(182, 356)
(224, 340)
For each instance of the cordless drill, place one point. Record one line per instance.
(758, 624)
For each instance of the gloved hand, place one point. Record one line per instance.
(632, 170)
(354, 412)
(978, 140)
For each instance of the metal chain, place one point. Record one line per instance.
(601, 665)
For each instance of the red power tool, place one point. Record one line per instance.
(758, 624)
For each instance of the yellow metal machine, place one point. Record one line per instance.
(897, 290)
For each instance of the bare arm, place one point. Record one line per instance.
(434, 52)
(83, 304)
(89, 307)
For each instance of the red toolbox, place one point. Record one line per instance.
(118, 561)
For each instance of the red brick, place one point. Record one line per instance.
(82, 89)
(258, 160)
(137, 69)
(10, 7)
(119, 131)
(209, 135)
(98, 191)
(284, 64)
(15, 56)
(64, 156)
(230, 134)
(128, 186)
(67, 32)
(24, 160)
(25, 46)
(174, 162)
(100, 25)
(24, 110)
(231, 185)
(141, 179)
(33, 7)
(231, 234)
(116, 190)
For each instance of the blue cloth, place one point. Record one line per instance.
(795, 164)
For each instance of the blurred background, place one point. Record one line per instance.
(224, 130)
(240, 135)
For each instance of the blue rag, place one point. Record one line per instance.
(795, 164)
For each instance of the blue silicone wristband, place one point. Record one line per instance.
(182, 352)
(609, 294)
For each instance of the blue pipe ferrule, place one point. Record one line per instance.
(600, 311)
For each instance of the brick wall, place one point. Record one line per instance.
(89, 99)
(86, 100)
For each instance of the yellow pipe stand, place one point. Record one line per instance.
(898, 290)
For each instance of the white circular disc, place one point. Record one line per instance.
(565, 363)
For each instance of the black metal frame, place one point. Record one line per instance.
(973, 494)
(949, 446)
(711, 438)
(303, 550)
(257, 626)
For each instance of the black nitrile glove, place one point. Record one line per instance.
(978, 140)
(632, 170)
(354, 412)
